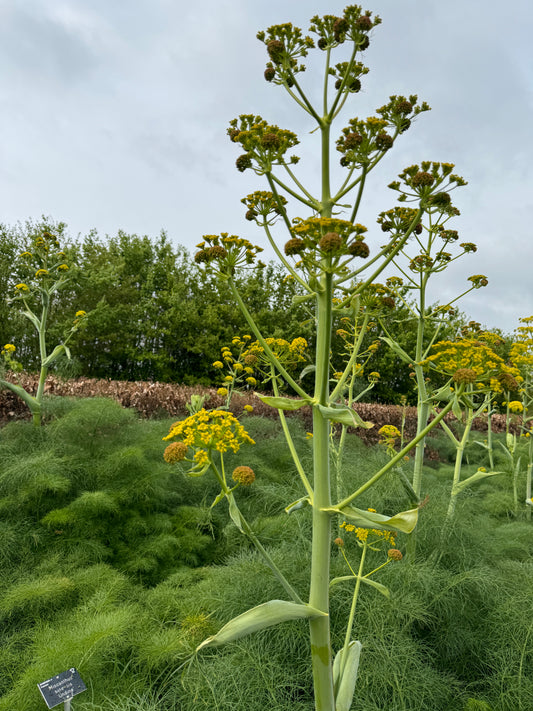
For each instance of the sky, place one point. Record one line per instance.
(113, 116)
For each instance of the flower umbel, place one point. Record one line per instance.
(211, 431)
(243, 475)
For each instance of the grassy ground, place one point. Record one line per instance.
(114, 563)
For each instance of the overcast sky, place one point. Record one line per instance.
(114, 115)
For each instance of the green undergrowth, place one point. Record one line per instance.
(113, 562)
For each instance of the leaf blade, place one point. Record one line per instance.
(259, 618)
(283, 403)
(405, 521)
(478, 476)
(344, 685)
(345, 416)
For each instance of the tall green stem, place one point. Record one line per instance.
(528, 477)
(44, 369)
(320, 560)
(422, 404)
(320, 557)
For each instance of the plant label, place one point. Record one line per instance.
(61, 688)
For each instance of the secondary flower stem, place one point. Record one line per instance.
(272, 358)
(458, 465)
(247, 530)
(349, 627)
(290, 443)
(44, 370)
(273, 567)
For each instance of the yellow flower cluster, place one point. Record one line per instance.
(397, 220)
(264, 142)
(521, 351)
(206, 431)
(229, 251)
(240, 371)
(42, 261)
(389, 432)
(521, 354)
(315, 227)
(319, 237)
(264, 204)
(476, 356)
(289, 354)
(79, 316)
(246, 359)
(6, 354)
(362, 534)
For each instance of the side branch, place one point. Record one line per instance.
(281, 370)
(401, 454)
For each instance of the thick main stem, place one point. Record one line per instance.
(422, 404)
(321, 545)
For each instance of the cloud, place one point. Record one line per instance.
(114, 115)
(50, 46)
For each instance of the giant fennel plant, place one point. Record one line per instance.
(43, 270)
(327, 253)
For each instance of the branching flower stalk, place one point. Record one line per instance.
(367, 539)
(329, 257)
(511, 448)
(521, 355)
(529, 469)
(44, 271)
(352, 333)
(470, 414)
(424, 256)
(202, 440)
(473, 365)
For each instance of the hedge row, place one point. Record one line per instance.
(169, 400)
